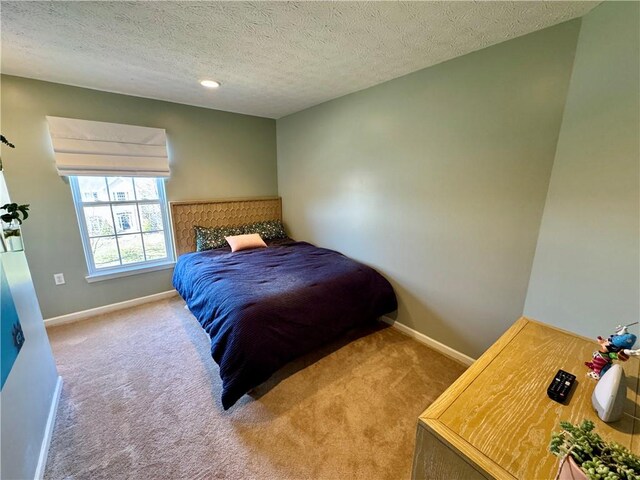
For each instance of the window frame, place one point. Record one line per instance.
(105, 273)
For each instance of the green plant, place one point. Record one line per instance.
(6, 142)
(597, 459)
(14, 211)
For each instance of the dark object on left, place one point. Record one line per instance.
(18, 335)
(4, 140)
(13, 212)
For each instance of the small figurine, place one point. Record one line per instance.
(617, 347)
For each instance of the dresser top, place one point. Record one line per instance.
(498, 415)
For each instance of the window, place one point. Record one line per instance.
(124, 220)
(123, 223)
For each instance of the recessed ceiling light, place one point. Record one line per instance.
(209, 83)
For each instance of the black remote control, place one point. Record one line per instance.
(561, 386)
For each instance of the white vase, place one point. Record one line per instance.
(12, 236)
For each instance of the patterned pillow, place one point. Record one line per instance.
(268, 230)
(213, 237)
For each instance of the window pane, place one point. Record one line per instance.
(131, 248)
(146, 188)
(98, 221)
(105, 252)
(121, 189)
(154, 245)
(93, 189)
(151, 217)
(126, 218)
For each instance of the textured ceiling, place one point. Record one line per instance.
(272, 58)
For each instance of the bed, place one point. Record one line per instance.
(264, 307)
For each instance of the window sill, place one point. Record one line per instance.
(99, 277)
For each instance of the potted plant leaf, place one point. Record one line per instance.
(11, 239)
(585, 455)
(11, 221)
(6, 142)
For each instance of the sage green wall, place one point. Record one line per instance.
(437, 179)
(212, 154)
(586, 271)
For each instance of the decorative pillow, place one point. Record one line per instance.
(245, 242)
(268, 230)
(213, 237)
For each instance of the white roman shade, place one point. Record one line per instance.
(84, 147)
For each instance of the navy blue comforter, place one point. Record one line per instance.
(264, 307)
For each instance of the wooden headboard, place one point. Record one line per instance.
(218, 213)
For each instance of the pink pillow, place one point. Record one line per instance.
(244, 242)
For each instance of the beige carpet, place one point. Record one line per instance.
(141, 400)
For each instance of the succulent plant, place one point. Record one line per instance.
(598, 459)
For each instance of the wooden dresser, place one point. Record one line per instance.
(496, 420)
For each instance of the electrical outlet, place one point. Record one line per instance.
(59, 278)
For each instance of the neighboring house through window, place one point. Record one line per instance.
(124, 221)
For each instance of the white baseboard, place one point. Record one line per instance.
(92, 312)
(430, 342)
(84, 314)
(48, 431)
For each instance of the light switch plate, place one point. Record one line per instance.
(59, 278)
